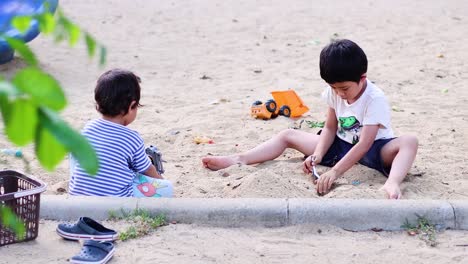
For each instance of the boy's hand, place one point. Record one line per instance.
(325, 182)
(312, 160)
(153, 172)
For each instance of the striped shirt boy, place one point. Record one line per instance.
(121, 154)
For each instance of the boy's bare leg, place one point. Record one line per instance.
(302, 141)
(399, 154)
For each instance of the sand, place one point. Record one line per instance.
(245, 50)
(203, 63)
(299, 244)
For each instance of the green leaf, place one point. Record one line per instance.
(23, 50)
(90, 44)
(59, 33)
(46, 23)
(8, 219)
(73, 141)
(72, 30)
(22, 121)
(43, 88)
(7, 90)
(73, 33)
(103, 56)
(5, 108)
(21, 23)
(49, 151)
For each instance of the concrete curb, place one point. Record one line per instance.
(355, 215)
(359, 215)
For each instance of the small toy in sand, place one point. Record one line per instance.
(156, 158)
(12, 152)
(286, 103)
(203, 140)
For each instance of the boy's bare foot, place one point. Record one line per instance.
(392, 191)
(218, 162)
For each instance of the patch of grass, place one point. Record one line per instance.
(113, 215)
(121, 214)
(142, 223)
(425, 230)
(131, 233)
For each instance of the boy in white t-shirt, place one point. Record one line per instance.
(357, 128)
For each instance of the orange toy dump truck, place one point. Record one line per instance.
(285, 103)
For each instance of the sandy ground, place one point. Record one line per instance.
(246, 49)
(204, 62)
(299, 244)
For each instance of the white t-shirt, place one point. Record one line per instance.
(371, 108)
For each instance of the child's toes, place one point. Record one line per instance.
(391, 192)
(394, 196)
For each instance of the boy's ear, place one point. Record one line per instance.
(133, 105)
(363, 78)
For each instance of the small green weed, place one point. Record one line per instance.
(113, 215)
(425, 230)
(142, 223)
(130, 233)
(315, 124)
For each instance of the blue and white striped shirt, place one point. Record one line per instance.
(121, 153)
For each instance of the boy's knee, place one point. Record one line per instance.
(410, 141)
(286, 135)
(413, 141)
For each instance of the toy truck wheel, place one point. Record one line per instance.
(285, 111)
(257, 103)
(270, 105)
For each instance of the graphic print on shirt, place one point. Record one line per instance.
(350, 127)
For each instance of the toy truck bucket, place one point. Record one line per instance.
(291, 99)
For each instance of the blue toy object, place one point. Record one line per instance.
(12, 8)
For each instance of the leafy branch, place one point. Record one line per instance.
(31, 101)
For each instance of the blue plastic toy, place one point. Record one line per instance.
(11, 8)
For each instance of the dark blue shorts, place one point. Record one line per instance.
(372, 159)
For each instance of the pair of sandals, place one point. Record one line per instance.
(97, 248)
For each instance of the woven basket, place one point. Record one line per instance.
(22, 195)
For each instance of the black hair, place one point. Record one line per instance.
(341, 61)
(115, 90)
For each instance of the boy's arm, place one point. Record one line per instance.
(368, 134)
(327, 135)
(152, 172)
(326, 138)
